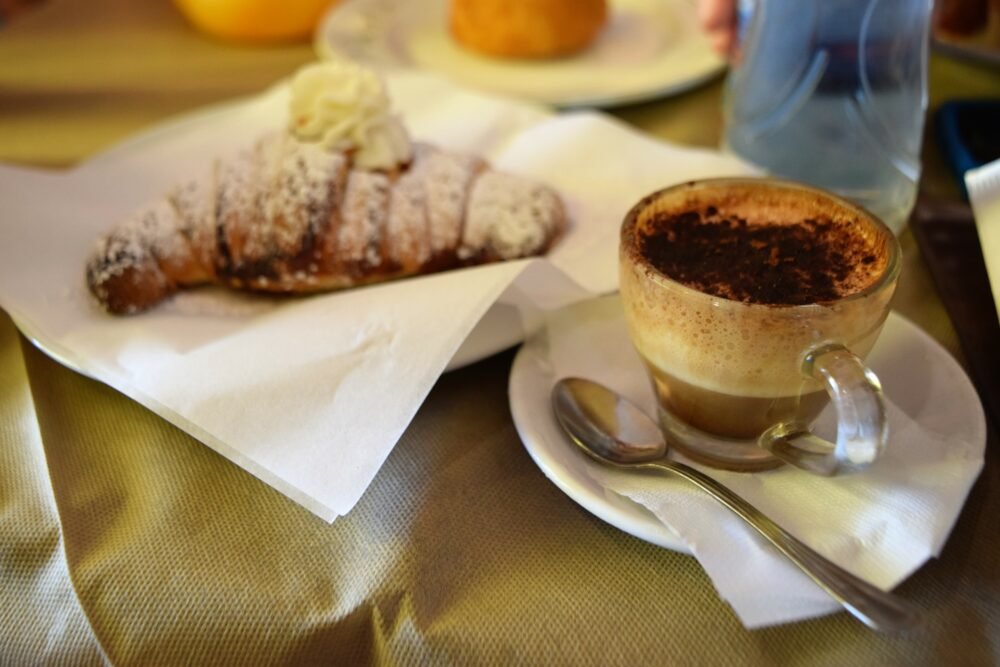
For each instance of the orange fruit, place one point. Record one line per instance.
(255, 20)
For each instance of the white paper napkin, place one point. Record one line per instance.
(881, 524)
(311, 394)
(983, 185)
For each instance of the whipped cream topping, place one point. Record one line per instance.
(344, 106)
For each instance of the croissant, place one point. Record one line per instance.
(290, 216)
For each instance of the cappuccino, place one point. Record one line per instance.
(727, 285)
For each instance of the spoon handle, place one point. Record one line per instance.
(874, 607)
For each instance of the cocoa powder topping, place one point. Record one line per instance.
(809, 261)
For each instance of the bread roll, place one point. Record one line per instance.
(527, 28)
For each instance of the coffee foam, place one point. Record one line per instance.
(740, 348)
(758, 246)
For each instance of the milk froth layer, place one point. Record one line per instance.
(712, 331)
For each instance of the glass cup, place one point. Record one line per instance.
(739, 379)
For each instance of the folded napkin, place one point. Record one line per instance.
(983, 185)
(311, 394)
(880, 525)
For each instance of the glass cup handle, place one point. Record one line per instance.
(862, 426)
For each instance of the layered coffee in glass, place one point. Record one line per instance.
(751, 301)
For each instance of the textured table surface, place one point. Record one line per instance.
(124, 539)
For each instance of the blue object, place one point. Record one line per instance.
(968, 132)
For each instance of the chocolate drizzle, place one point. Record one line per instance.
(808, 261)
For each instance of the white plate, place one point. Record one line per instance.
(648, 49)
(499, 329)
(918, 375)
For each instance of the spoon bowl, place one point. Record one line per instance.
(612, 430)
(604, 424)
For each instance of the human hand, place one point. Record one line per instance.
(718, 20)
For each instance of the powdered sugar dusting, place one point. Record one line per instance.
(277, 198)
(363, 217)
(160, 224)
(510, 217)
(150, 234)
(448, 178)
(194, 202)
(291, 216)
(123, 272)
(238, 205)
(300, 203)
(407, 236)
(125, 248)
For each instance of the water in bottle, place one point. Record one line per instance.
(833, 93)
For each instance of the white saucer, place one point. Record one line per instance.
(648, 49)
(918, 375)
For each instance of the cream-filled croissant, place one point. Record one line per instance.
(292, 215)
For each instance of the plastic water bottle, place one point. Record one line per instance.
(833, 93)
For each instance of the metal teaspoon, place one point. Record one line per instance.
(612, 430)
